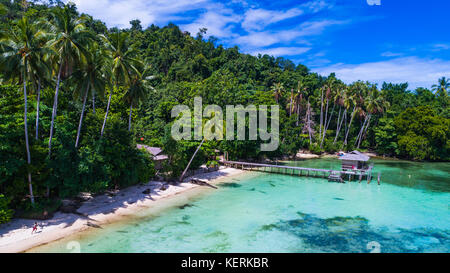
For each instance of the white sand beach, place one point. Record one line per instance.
(16, 236)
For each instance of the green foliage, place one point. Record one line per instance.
(422, 134)
(386, 137)
(5, 213)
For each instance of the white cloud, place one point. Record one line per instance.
(257, 19)
(416, 71)
(120, 12)
(391, 54)
(218, 20)
(267, 38)
(280, 51)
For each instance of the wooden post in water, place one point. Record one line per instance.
(360, 177)
(379, 178)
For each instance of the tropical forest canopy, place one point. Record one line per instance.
(76, 97)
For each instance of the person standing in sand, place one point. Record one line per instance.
(34, 227)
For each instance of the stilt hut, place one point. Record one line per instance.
(354, 161)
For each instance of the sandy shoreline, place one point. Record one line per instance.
(103, 209)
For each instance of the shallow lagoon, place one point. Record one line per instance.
(408, 212)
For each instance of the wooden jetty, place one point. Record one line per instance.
(332, 175)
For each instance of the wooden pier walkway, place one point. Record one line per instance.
(331, 175)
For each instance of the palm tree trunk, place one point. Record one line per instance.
(361, 131)
(93, 102)
(337, 124)
(349, 125)
(106, 114)
(190, 161)
(363, 135)
(30, 186)
(55, 106)
(37, 108)
(344, 115)
(81, 116)
(321, 112)
(327, 124)
(129, 117)
(52, 124)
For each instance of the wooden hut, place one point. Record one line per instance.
(354, 161)
(157, 155)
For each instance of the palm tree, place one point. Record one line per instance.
(68, 39)
(440, 89)
(137, 90)
(339, 100)
(40, 74)
(123, 63)
(349, 100)
(298, 99)
(277, 90)
(20, 56)
(90, 78)
(374, 104)
(328, 95)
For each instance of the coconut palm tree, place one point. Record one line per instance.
(441, 88)
(277, 90)
(349, 100)
(123, 63)
(374, 104)
(298, 99)
(69, 36)
(339, 101)
(20, 57)
(90, 77)
(329, 94)
(138, 90)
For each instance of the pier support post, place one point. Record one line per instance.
(379, 178)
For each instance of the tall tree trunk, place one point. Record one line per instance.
(129, 117)
(93, 102)
(327, 123)
(349, 125)
(192, 158)
(344, 117)
(321, 112)
(298, 114)
(37, 108)
(290, 105)
(363, 135)
(30, 186)
(52, 124)
(81, 116)
(106, 114)
(361, 130)
(55, 106)
(337, 124)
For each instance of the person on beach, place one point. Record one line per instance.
(34, 227)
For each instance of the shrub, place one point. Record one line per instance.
(5, 213)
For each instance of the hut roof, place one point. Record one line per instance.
(355, 156)
(153, 150)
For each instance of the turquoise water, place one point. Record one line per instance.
(408, 212)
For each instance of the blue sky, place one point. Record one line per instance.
(396, 41)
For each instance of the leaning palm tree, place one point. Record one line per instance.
(69, 36)
(123, 63)
(90, 77)
(20, 51)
